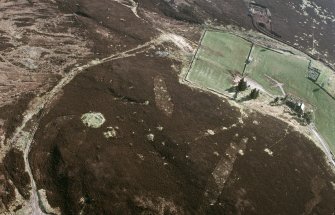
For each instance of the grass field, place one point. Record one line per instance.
(283, 67)
(219, 56)
(291, 70)
(222, 54)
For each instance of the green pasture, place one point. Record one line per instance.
(291, 70)
(219, 57)
(282, 67)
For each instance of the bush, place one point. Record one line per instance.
(308, 117)
(254, 94)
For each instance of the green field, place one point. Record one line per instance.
(222, 54)
(291, 70)
(283, 67)
(219, 56)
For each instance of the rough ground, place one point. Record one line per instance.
(164, 147)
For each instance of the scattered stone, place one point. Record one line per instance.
(255, 122)
(216, 153)
(210, 132)
(268, 151)
(162, 53)
(140, 156)
(151, 137)
(82, 200)
(241, 152)
(160, 128)
(110, 133)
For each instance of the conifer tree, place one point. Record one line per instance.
(242, 85)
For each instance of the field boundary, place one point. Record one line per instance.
(195, 55)
(324, 90)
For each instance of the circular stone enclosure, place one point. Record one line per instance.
(93, 119)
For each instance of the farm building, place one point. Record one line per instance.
(295, 104)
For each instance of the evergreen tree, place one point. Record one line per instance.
(242, 85)
(254, 93)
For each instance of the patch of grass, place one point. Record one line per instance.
(219, 57)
